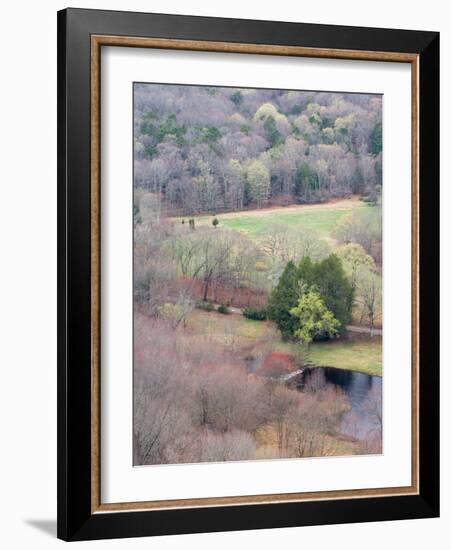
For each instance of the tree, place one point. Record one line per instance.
(334, 287)
(362, 226)
(215, 222)
(370, 295)
(337, 136)
(313, 318)
(221, 256)
(354, 258)
(281, 401)
(233, 185)
(259, 182)
(306, 181)
(207, 187)
(264, 111)
(178, 312)
(237, 98)
(272, 133)
(330, 280)
(326, 276)
(375, 140)
(233, 445)
(283, 298)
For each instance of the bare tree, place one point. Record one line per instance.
(369, 286)
(233, 445)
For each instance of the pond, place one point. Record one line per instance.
(363, 391)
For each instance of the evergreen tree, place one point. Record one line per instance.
(306, 271)
(336, 290)
(375, 139)
(272, 133)
(283, 298)
(327, 277)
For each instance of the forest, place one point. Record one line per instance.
(257, 274)
(208, 150)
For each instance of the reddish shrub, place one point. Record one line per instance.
(277, 362)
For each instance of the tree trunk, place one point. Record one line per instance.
(207, 281)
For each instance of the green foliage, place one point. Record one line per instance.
(150, 150)
(264, 111)
(327, 277)
(245, 128)
(206, 306)
(215, 222)
(369, 284)
(354, 257)
(222, 308)
(306, 179)
(157, 128)
(296, 110)
(327, 144)
(314, 320)
(210, 134)
(283, 298)
(237, 98)
(375, 139)
(255, 314)
(174, 314)
(272, 133)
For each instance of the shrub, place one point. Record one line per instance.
(206, 306)
(255, 314)
(222, 308)
(277, 363)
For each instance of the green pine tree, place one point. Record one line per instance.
(335, 288)
(283, 298)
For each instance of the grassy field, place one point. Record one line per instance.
(236, 335)
(222, 328)
(363, 355)
(319, 217)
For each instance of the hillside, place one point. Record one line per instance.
(208, 150)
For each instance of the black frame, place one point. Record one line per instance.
(75, 520)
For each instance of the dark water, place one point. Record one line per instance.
(363, 391)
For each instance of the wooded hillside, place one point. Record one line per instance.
(206, 149)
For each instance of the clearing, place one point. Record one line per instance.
(319, 217)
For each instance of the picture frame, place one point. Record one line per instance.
(81, 36)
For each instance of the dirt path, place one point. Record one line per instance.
(364, 330)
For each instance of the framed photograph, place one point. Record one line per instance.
(248, 274)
